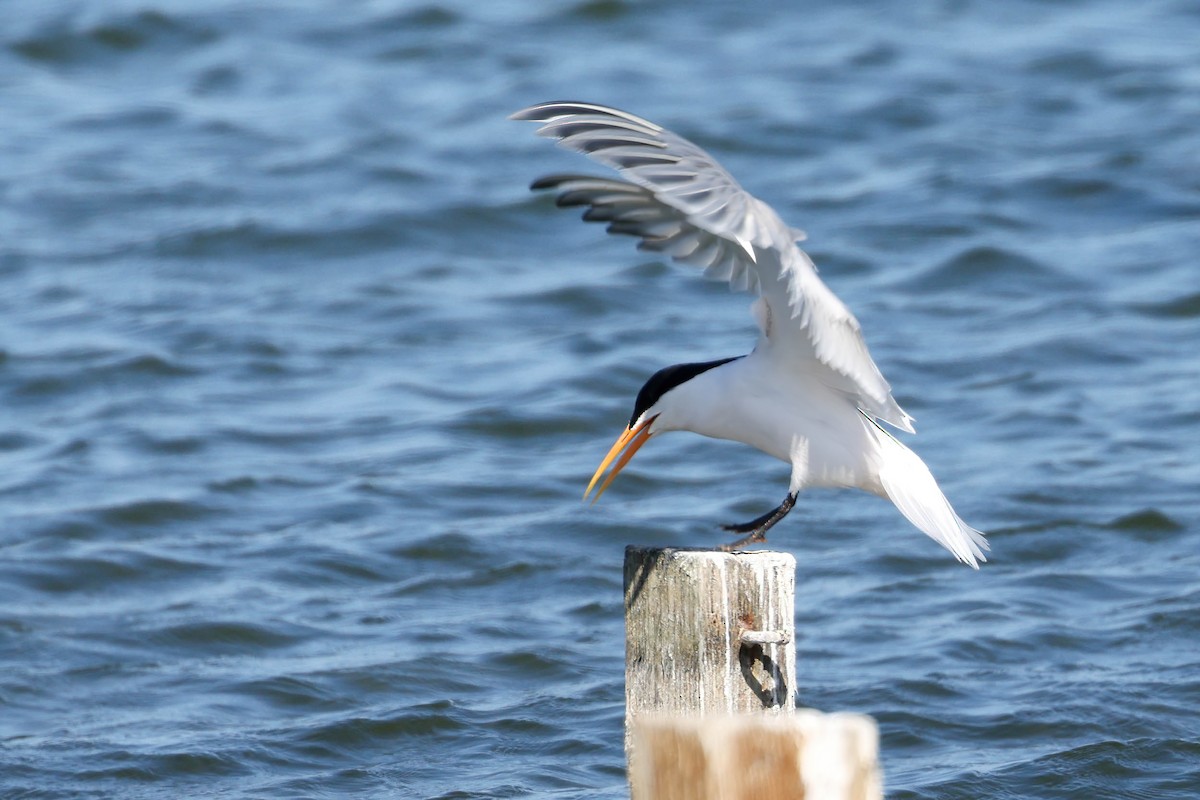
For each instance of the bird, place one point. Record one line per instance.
(809, 393)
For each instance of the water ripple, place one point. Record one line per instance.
(1183, 307)
(61, 45)
(993, 269)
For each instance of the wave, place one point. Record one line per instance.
(66, 42)
(1000, 270)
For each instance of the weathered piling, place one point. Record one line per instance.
(710, 679)
(708, 632)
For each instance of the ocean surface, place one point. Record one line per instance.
(300, 387)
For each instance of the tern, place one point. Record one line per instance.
(809, 393)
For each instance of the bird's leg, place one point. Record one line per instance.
(757, 528)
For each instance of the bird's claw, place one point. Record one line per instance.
(757, 528)
(757, 537)
(760, 523)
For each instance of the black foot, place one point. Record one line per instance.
(757, 528)
(752, 525)
(757, 537)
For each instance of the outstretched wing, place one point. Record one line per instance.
(680, 201)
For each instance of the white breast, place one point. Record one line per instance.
(790, 415)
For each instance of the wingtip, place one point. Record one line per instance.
(546, 182)
(541, 112)
(535, 112)
(553, 109)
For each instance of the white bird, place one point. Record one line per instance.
(809, 393)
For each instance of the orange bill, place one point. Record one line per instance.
(630, 441)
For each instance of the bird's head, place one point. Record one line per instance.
(652, 414)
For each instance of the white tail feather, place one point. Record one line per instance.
(911, 486)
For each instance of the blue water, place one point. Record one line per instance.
(301, 387)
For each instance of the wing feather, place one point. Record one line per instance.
(677, 199)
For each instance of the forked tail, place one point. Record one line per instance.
(911, 486)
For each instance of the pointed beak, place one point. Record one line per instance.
(630, 441)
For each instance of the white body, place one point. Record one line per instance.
(791, 416)
(825, 438)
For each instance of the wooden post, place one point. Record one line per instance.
(807, 755)
(710, 679)
(708, 632)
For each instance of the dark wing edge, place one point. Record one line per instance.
(632, 210)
